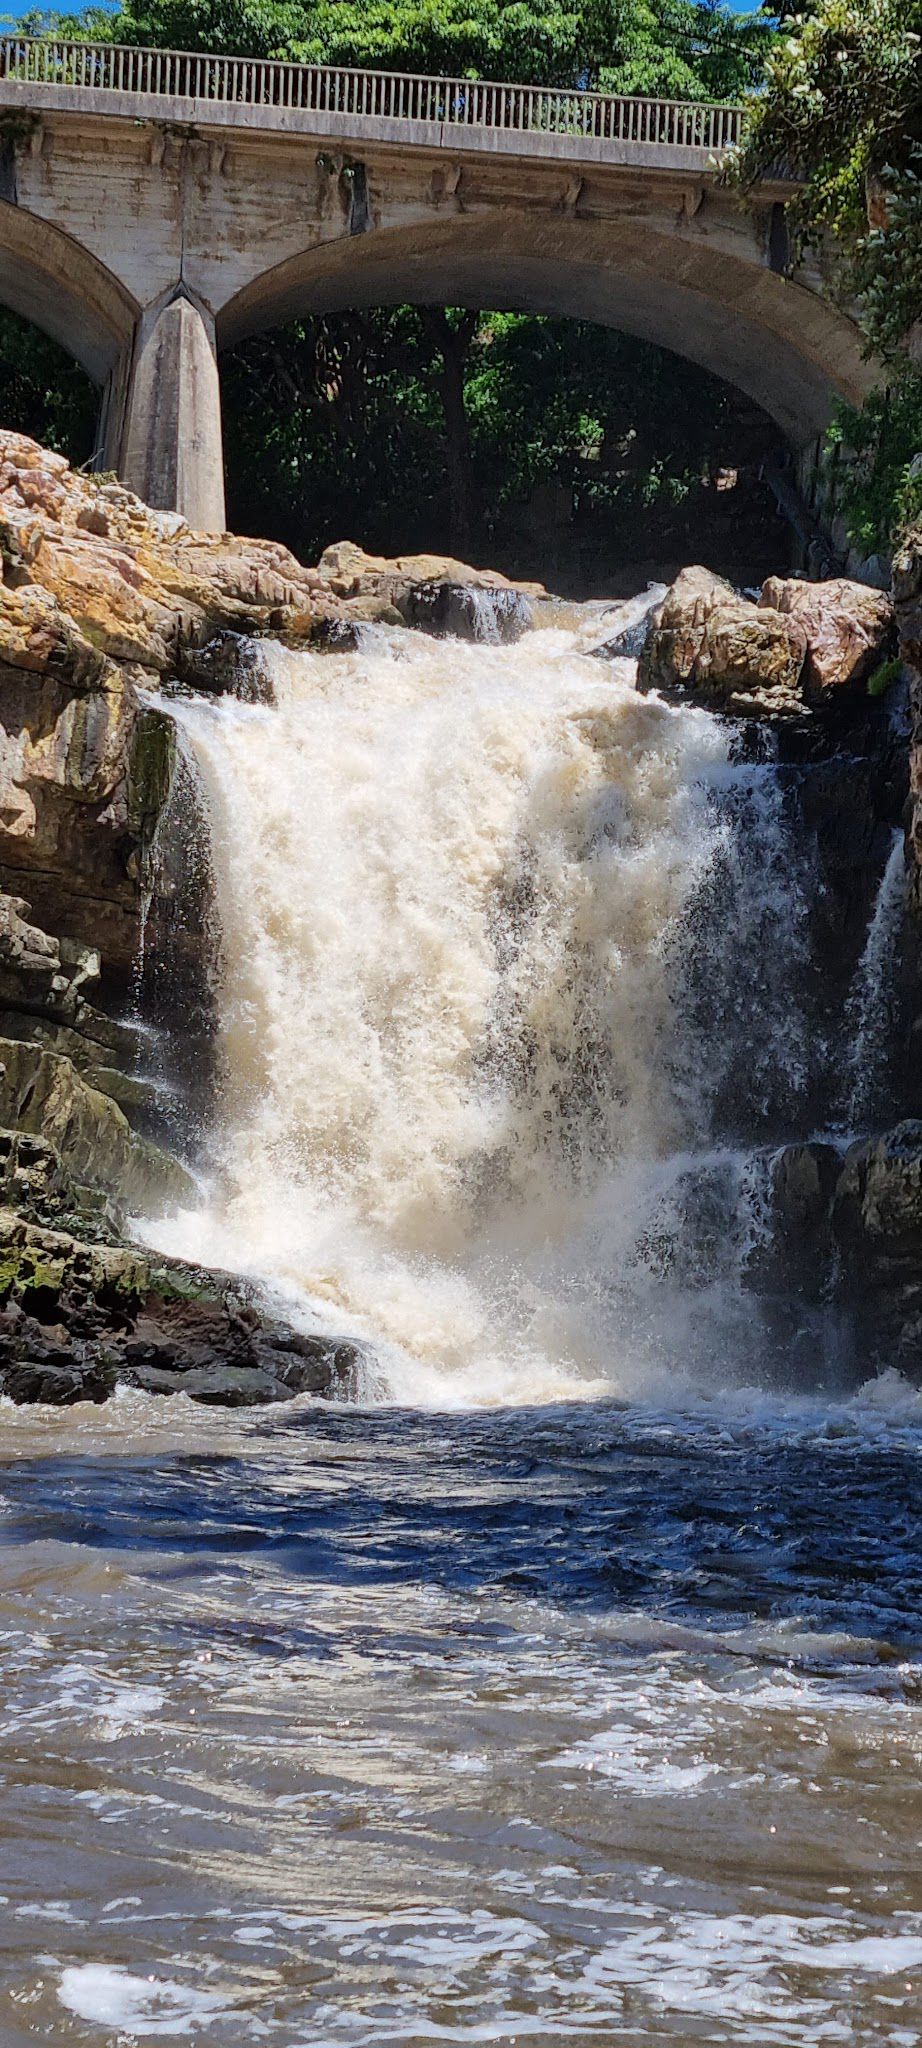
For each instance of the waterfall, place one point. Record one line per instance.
(869, 1010)
(498, 932)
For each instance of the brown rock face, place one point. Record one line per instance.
(41, 1092)
(798, 645)
(740, 656)
(100, 597)
(848, 627)
(346, 569)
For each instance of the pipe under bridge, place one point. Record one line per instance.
(158, 205)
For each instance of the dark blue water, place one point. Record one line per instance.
(580, 1724)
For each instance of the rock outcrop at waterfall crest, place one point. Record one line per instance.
(802, 645)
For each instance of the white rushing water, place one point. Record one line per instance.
(869, 1012)
(469, 1043)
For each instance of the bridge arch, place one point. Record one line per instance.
(782, 344)
(51, 279)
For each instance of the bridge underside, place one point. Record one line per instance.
(779, 343)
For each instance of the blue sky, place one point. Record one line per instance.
(14, 9)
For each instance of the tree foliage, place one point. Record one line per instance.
(843, 108)
(687, 49)
(43, 392)
(880, 486)
(573, 445)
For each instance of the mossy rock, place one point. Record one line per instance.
(151, 764)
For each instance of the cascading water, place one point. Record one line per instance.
(872, 999)
(498, 932)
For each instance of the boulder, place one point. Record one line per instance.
(708, 642)
(877, 1209)
(346, 569)
(467, 611)
(434, 592)
(793, 1255)
(79, 1318)
(629, 643)
(230, 665)
(849, 628)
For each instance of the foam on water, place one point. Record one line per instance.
(139, 2007)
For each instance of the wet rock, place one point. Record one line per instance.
(217, 1386)
(229, 665)
(344, 635)
(42, 1093)
(796, 1250)
(629, 644)
(708, 642)
(466, 611)
(877, 1222)
(58, 1384)
(907, 597)
(79, 1318)
(878, 1204)
(849, 628)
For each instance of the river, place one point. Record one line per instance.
(581, 1723)
(565, 1685)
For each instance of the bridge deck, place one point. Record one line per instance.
(385, 107)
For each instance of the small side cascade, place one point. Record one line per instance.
(870, 1009)
(490, 614)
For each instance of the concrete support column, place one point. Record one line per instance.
(171, 442)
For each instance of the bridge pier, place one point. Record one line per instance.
(171, 443)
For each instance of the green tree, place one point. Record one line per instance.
(689, 49)
(843, 107)
(535, 442)
(43, 392)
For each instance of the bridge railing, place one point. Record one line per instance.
(383, 95)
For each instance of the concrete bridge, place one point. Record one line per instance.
(157, 206)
